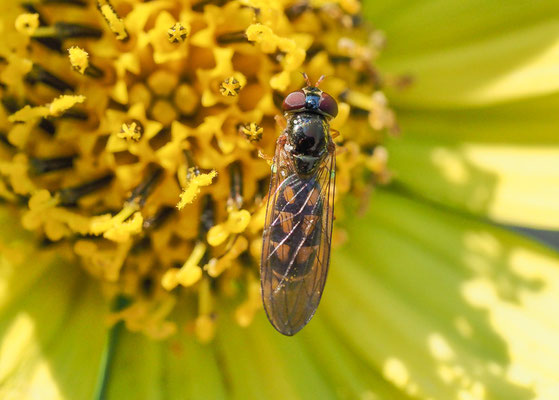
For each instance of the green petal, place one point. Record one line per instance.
(347, 372)
(508, 183)
(461, 21)
(194, 370)
(527, 122)
(470, 53)
(444, 306)
(15, 244)
(136, 368)
(262, 364)
(179, 368)
(51, 321)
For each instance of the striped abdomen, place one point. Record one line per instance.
(295, 233)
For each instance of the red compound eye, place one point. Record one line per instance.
(294, 101)
(328, 105)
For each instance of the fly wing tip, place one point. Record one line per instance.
(288, 331)
(284, 327)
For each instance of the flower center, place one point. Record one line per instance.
(140, 139)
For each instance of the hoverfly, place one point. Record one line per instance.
(299, 215)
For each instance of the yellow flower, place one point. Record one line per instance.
(117, 113)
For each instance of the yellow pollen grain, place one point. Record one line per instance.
(27, 23)
(79, 59)
(63, 103)
(193, 187)
(54, 109)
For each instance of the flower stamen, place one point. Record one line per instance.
(54, 109)
(40, 74)
(64, 30)
(40, 166)
(178, 33)
(232, 37)
(230, 87)
(27, 23)
(133, 131)
(253, 132)
(143, 190)
(192, 189)
(116, 24)
(235, 200)
(79, 59)
(70, 196)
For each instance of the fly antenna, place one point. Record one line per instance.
(307, 79)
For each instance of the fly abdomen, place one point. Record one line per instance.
(296, 229)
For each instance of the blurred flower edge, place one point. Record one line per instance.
(422, 302)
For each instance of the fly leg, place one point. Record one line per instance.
(282, 123)
(280, 142)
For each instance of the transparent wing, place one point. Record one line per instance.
(296, 242)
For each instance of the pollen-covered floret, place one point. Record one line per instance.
(150, 161)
